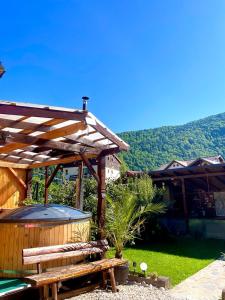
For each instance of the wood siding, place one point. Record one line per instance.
(11, 192)
(15, 238)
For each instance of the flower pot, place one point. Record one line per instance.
(121, 273)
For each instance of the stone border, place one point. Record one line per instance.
(160, 281)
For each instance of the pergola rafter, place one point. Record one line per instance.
(36, 134)
(33, 134)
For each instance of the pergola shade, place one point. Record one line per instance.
(35, 135)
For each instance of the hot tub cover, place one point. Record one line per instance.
(38, 213)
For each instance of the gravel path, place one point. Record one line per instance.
(128, 292)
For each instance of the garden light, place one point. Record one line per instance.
(143, 267)
(134, 266)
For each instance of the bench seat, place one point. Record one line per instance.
(73, 271)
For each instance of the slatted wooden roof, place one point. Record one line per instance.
(33, 135)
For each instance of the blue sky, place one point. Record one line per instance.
(143, 63)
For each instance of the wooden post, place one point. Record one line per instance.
(79, 187)
(185, 205)
(29, 183)
(46, 187)
(36, 190)
(101, 198)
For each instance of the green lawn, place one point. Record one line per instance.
(177, 259)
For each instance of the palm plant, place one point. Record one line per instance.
(125, 218)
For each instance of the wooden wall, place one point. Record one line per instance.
(11, 192)
(14, 238)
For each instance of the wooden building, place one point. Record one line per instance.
(195, 192)
(34, 136)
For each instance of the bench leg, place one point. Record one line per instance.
(46, 292)
(54, 291)
(104, 279)
(112, 280)
(41, 294)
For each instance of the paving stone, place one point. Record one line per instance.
(207, 284)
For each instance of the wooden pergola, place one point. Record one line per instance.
(34, 136)
(208, 177)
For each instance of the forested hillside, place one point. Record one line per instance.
(152, 147)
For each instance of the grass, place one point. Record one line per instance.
(177, 259)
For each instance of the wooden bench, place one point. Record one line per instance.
(50, 279)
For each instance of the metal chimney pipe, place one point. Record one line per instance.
(85, 101)
(2, 70)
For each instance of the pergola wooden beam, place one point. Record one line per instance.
(79, 186)
(46, 188)
(101, 198)
(41, 112)
(29, 183)
(188, 176)
(50, 179)
(7, 164)
(20, 124)
(184, 200)
(110, 136)
(89, 166)
(23, 140)
(60, 161)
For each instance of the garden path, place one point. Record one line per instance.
(207, 284)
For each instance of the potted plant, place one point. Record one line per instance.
(125, 216)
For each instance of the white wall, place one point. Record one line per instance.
(110, 173)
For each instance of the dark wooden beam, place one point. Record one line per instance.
(89, 166)
(64, 160)
(50, 178)
(110, 136)
(79, 187)
(85, 134)
(23, 140)
(109, 151)
(46, 188)
(188, 176)
(45, 112)
(29, 184)
(185, 204)
(101, 197)
(9, 123)
(22, 155)
(20, 124)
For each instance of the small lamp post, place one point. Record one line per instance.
(2, 70)
(144, 268)
(134, 266)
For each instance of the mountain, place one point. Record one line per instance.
(151, 148)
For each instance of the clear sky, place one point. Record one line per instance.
(143, 63)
